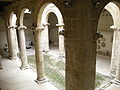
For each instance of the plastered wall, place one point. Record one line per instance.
(104, 45)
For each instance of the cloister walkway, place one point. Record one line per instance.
(13, 78)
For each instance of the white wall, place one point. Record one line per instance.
(29, 32)
(53, 29)
(29, 37)
(105, 21)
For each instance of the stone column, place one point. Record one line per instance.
(22, 45)
(114, 52)
(61, 40)
(117, 76)
(39, 56)
(45, 38)
(12, 43)
(8, 41)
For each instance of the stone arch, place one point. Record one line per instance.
(12, 19)
(52, 8)
(12, 34)
(115, 12)
(43, 21)
(114, 9)
(40, 11)
(21, 19)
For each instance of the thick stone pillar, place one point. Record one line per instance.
(80, 47)
(39, 56)
(12, 43)
(61, 40)
(22, 45)
(114, 57)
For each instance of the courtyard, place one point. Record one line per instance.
(55, 69)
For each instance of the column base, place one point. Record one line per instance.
(45, 51)
(13, 58)
(112, 76)
(61, 55)
(116, 81)
(42, 81)
(24, 67)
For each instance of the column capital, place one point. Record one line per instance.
(12, 27)
(60, 25)
(114, 28)
(62, 32)
(46, 24)
(39, 29)
(22, 27)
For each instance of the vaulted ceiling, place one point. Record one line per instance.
(4, 3)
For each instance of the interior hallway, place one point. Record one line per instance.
(13, 78)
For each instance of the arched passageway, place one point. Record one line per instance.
(108, 42)
(49, 24)
(53, 32)
(104, 44)
(29, 34)
(25, 36)
(52, 21)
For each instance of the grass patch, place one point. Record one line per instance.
(48, 60)
(101, 80)
(60, 65)
(55, 77)
(53, 68)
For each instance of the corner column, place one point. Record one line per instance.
(39, 56)
(117, 76)
(114, 58)
(61, 40)
(22, 45)
(12, 49)
(45, 38)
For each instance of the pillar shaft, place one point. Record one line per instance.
(8, 41)
(61, 41)
(22, 45)
(118, 59)
(39, 55)
(12, 50)
(45, 38)
(114, 58)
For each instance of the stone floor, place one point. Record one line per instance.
(113, 87)
(13, 78)
(103, 65)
